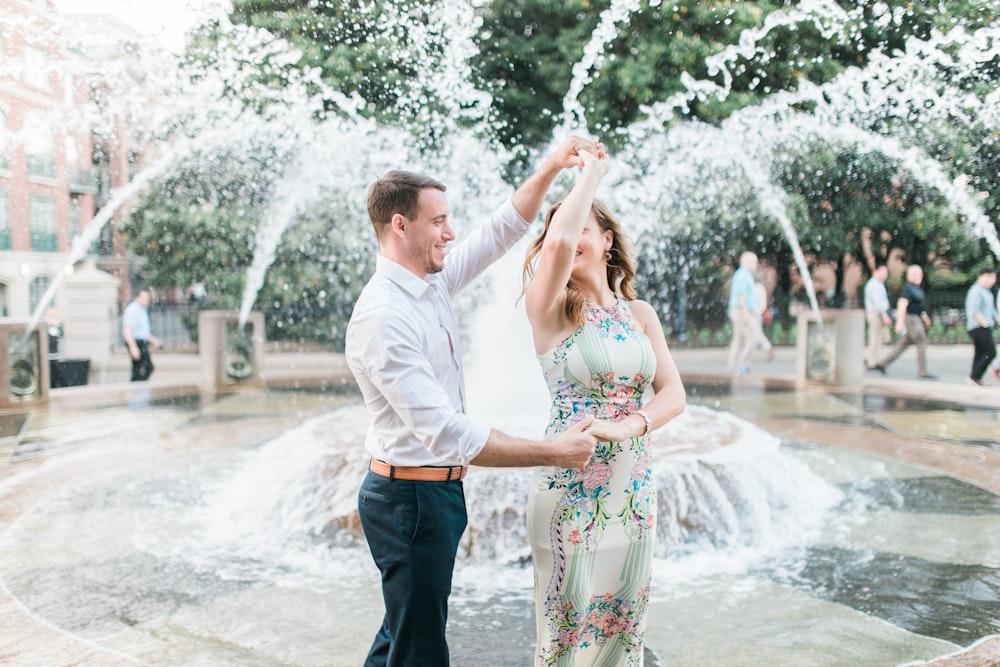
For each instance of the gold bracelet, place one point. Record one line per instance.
(645, 418)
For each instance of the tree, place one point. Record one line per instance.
(396, 62)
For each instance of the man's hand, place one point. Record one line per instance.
(528, 198)
(569, 153)
(574, 446)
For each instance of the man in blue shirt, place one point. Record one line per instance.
(980, 314)
(137, 335)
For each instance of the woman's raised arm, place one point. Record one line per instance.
(546, 293)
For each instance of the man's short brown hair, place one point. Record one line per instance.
(397, 192)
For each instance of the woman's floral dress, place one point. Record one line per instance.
(592, 532)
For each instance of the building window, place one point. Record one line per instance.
(4, 219)
(39, 286)
(72, 159)
(74, 218)
(42, 220)
(5, 141)
(39, 147)
(69, 90)
(36, 68)
(5, 242)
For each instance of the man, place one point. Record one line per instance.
(980, 314)
(911, 322)
(741, 307)
(404, 350)
(877, 314)
(137, 335)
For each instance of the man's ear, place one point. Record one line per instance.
(398, 224)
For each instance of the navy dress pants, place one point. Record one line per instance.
(142, 367)
(984, 350)
(413, 530)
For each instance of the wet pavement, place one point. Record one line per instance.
(945, 427)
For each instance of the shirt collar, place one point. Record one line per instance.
(402, 276)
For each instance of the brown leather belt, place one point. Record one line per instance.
(418, 473)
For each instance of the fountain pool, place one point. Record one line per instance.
(219, 531)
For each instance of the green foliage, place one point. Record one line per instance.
(199, 225)
(322, 265)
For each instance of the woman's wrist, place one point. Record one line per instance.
(646, 425)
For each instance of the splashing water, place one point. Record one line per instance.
(678, 168)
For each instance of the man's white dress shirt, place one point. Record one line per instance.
(403, 347)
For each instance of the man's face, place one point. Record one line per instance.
(988, 280)
(143, 298)
(429, 232)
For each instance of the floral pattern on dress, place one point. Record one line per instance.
(615, 322)
(602, 369)
(605, 619)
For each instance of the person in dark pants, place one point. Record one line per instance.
(402, 346)
(912, 321)
(980, 315)
(137, 335)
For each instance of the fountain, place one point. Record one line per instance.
(230, 350)
(26, 373)
(230, 537)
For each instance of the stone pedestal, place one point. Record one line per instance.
(24, 375)
(830, 350)
(89, 313)
(230, 355)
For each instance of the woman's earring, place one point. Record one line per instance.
(607, 256)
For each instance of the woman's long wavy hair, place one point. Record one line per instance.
(621, 266)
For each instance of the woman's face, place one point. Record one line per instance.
(590, 249)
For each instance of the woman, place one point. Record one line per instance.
(592, 531)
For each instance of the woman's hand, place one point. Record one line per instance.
(600, 164)
(606, 431)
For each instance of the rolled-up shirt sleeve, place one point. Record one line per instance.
(406, 399)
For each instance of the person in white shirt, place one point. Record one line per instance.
(877, 313)
(403, 348)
